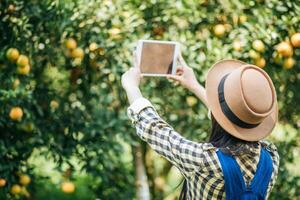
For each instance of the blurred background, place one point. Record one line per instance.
(64, 133)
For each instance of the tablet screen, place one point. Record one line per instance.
(157, 58)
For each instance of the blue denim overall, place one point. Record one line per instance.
(235, 186)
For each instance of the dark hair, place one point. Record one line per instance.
(227, 143)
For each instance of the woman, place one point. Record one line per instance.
(236, 163)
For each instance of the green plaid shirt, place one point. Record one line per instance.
(198, 162)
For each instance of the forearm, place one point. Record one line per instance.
(200, 92)
(133, 93)
(163, 139)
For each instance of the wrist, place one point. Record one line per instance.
(133, 93)
(131, 88)
(195, 87)
(200, 92)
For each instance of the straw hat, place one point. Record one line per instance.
(242, 98)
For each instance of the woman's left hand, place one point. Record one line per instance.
(132, 77)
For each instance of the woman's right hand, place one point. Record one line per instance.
(184, 75)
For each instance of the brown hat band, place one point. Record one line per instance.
(227, 111)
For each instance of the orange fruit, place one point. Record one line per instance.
(111, 77)
(260, 62)
(222, 18)
(2, 182)
(28, 127)
(191, 101)
(258, 45)
(71, 43)
(25, 192)
(93, 46)
(23, 70)
(12, 54)
(16, 83)
(219, 30)
(114, 31)
(237, 45)
(243, 19)
(228, 27)
(101, 51)
(289, 63)
(16, 189)
(285, 49)
(68, 187)
(54, 104)
(16, 113)
(25, 179)
(11, 8)
(295, 40)
(22, 61)
(253, 54)
(277, 58)
(77, 53)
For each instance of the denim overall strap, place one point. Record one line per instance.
(262, 177)
(235, 186)
(234, 183)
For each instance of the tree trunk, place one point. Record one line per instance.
(141, 180)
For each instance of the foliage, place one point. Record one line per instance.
(71, 99)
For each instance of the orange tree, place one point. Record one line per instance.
(60, 90)
(60, 68)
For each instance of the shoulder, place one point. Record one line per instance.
(269, 146)
(272, 149)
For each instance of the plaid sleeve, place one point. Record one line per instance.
(186, 155)
(275, 158)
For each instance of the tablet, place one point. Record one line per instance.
(157, 58)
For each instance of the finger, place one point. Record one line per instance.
(135, 62)
(174, 77)
(179, 58)
(179, 72)
(182, 61)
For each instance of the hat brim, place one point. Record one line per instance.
(213, 79)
